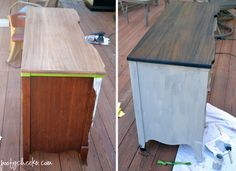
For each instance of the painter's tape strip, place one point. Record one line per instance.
(24, 74)
(166, 163)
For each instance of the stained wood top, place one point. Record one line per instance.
(182, 35)
(54, 43)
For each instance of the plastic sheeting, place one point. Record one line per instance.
(227, 124)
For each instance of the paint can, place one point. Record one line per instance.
(218, 161)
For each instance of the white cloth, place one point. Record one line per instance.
(227, 123)
(4, 22)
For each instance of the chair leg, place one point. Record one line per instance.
(122, 8)
(146, 6)
(15, 48)
(126, 13)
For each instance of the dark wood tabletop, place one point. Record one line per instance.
(182, 35)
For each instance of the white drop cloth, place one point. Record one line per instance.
(4, 22)
(227, 123)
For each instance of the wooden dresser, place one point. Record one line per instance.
(169, 70)
(61, 79)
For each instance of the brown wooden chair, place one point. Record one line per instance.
(17, 24)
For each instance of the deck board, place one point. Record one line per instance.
(10, 145)
(222, 93)
(10, 129)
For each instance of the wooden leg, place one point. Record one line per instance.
(84, 153)
(26, 116)
(142, 147)
(15, 48)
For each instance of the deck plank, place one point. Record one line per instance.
(93, 162)
(221, 76)
(50, 157)
(126, 121)
(230, 98)
(10, 148)
(128, 148)
(102, 144)
(70, 161)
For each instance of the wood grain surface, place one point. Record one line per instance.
(59, 114)
(182, 35)
(54, 43)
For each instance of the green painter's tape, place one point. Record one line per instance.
(23, 74)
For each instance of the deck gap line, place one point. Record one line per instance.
(126, 133)
(133, 157)
(229, 73)
(4, 108)
(106, 131)
(128, 103)
(215, 67)
(153, 160)
(96, 151)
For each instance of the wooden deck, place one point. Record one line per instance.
(102, 136)
(223, 94)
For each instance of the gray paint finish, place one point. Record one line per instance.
(169, 103)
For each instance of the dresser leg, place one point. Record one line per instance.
(142, 147)
(26, 103)
(84, 153)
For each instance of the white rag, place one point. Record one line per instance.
(4, 22)
(227, 123)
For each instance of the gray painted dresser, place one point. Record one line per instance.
(170, 69)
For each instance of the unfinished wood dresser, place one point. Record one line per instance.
(169, 70)
(61, 79)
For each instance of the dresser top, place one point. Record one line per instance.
(54, 44)
(182, 35)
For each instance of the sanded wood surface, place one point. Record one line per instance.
(222, 94)
(54, 43)
(181, 36)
